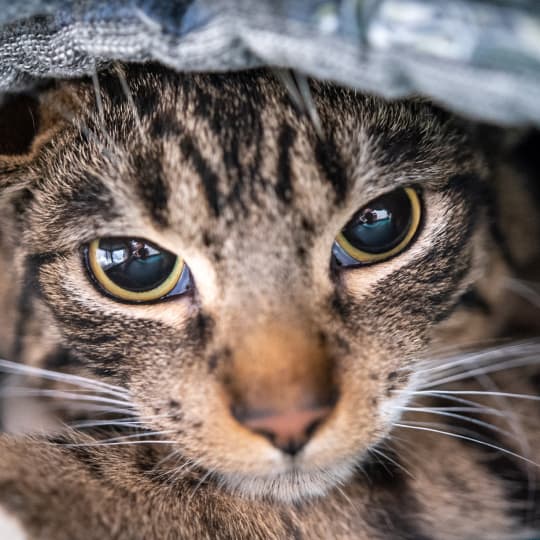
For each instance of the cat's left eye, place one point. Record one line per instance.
(134, 270)
(383, 228)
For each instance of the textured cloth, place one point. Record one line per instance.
(478, 57)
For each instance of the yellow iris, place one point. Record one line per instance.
(366, 257)
(115, 290)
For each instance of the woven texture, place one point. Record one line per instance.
(478, 57)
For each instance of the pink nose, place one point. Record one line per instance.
(289, 431)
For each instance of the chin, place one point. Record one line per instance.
(290, 486)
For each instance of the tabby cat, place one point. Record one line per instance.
(230, 313)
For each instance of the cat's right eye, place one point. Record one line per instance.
(134, 270)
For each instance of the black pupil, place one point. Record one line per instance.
(134, 265)
(382, 225)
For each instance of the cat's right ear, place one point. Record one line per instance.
(27, 121)
(19, 125)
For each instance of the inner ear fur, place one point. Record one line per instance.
(19, 124)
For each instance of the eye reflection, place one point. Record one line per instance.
(135, 270)
(380, 230)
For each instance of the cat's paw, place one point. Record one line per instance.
(10, 527)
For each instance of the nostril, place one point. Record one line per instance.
(267, 435)
(312, 428)
(288, 444)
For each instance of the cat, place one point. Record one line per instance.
(247, 318)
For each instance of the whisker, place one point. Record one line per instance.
(158, 441)
(466, 438)
(202, 480)
(309, 107)
(99, 104)
(452, 408)
(59, 394)
(478, 393)
(508, 364)
(449, 353)
(118, 421)
(85, 129)
(87, 425)
(513, 420)
(129, 97)
(127, 422)
(524, 348)
(168, 457)
(462, 417)
(440, 394)
(348, 500)
(136, 435)
(97, 409)
(524, 289)
(287, 80)
(75, 380)
(393, 461)
(174, 473)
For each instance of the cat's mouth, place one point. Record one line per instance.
(285, 459)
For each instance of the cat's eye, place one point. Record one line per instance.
(381, 229)
(134, 270)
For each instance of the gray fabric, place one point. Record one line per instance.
(478, 57)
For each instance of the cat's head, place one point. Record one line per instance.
(262, 288)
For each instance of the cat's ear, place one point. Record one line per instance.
(27, 121)
(19, 124)
(19, 127)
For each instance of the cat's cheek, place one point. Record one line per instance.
(10, 527)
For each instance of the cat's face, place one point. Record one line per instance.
(277, 358)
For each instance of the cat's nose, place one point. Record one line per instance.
(289, 431)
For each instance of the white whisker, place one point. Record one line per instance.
(302, 84)
(393, 461)
(202, 480)
(168, 457)
(88, 407)
(476, 421)
(453, 408)
(508, 364)
(158, 441)
(139, 421)
(525, 289)
(137, 435)
(440, 394)
(129, 97)
(502, 353)
(75, 380)
(477, 393)
(466, 438)
(59, 394)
